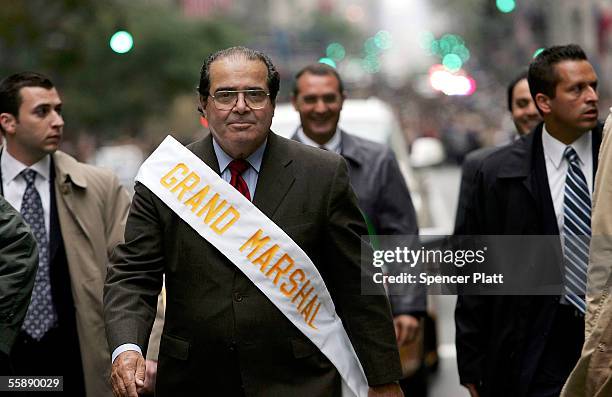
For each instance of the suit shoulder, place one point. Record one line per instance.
(83, 173)
(308, 156)
(491, 162)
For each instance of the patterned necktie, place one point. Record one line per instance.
(41, 315)
(237, 168)
(576, 231)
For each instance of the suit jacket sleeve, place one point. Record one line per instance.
(396, 216)
(471, 311)
(367, 318)
(18, 265)
(468, 173)
(117, 212)
(134, 278)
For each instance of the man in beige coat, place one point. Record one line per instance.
(77, 213)
(592, 376)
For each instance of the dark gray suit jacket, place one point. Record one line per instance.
(469, 169)
(222, 335)
(500, 339)
(385, 200)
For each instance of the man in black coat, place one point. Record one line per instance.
(525, 117)
(526, 345)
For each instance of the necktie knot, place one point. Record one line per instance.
(571, 155)
(29, 175)
(237, 167)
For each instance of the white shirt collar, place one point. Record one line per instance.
(11, 167)
(554, 149)
(333, 145)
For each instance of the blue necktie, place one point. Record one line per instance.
(576, 231)
(41, 315)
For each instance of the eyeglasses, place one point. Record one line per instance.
(226, 100)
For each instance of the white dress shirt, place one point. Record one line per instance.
(14, 185)
(557, 166)
(333, 145)
(250, 176)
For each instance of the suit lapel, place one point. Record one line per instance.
(54, 226)
(66, 178)
(275, 176)
(541, 187)
(205, 151)
(596, 137)
(527, 165)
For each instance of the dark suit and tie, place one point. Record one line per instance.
(222, 335)
(220, 329)
(539, 185)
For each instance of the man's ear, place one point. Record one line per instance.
(202, 108)
(543, 103)
(8, 122)
(294, 102)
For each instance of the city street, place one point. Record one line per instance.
(443, 186)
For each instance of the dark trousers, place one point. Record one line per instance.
(562, 351)
(57, 353)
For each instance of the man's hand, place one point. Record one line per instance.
(472, 389)
(150, 376)
(128, 374)
(406, 327)
(388, 390)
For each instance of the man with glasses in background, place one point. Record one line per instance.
(223, 335)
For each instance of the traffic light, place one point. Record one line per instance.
(505, 6)
(328, 61)
(121, 42)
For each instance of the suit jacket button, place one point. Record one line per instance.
(237, 297)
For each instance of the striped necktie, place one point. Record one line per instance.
(576, 231)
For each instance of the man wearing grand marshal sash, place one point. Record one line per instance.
(228, 331)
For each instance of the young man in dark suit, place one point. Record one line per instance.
(539, 185)
(77, 214)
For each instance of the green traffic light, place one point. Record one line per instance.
(336, 52)
(121, 42)
(537, 52)
(505, 6)
(383, 40)
(452, 62)
(328, 61)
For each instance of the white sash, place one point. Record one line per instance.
(258, 247)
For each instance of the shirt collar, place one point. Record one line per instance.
(11, 167)
(254, 159)
(554, 149)
(333, 145)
